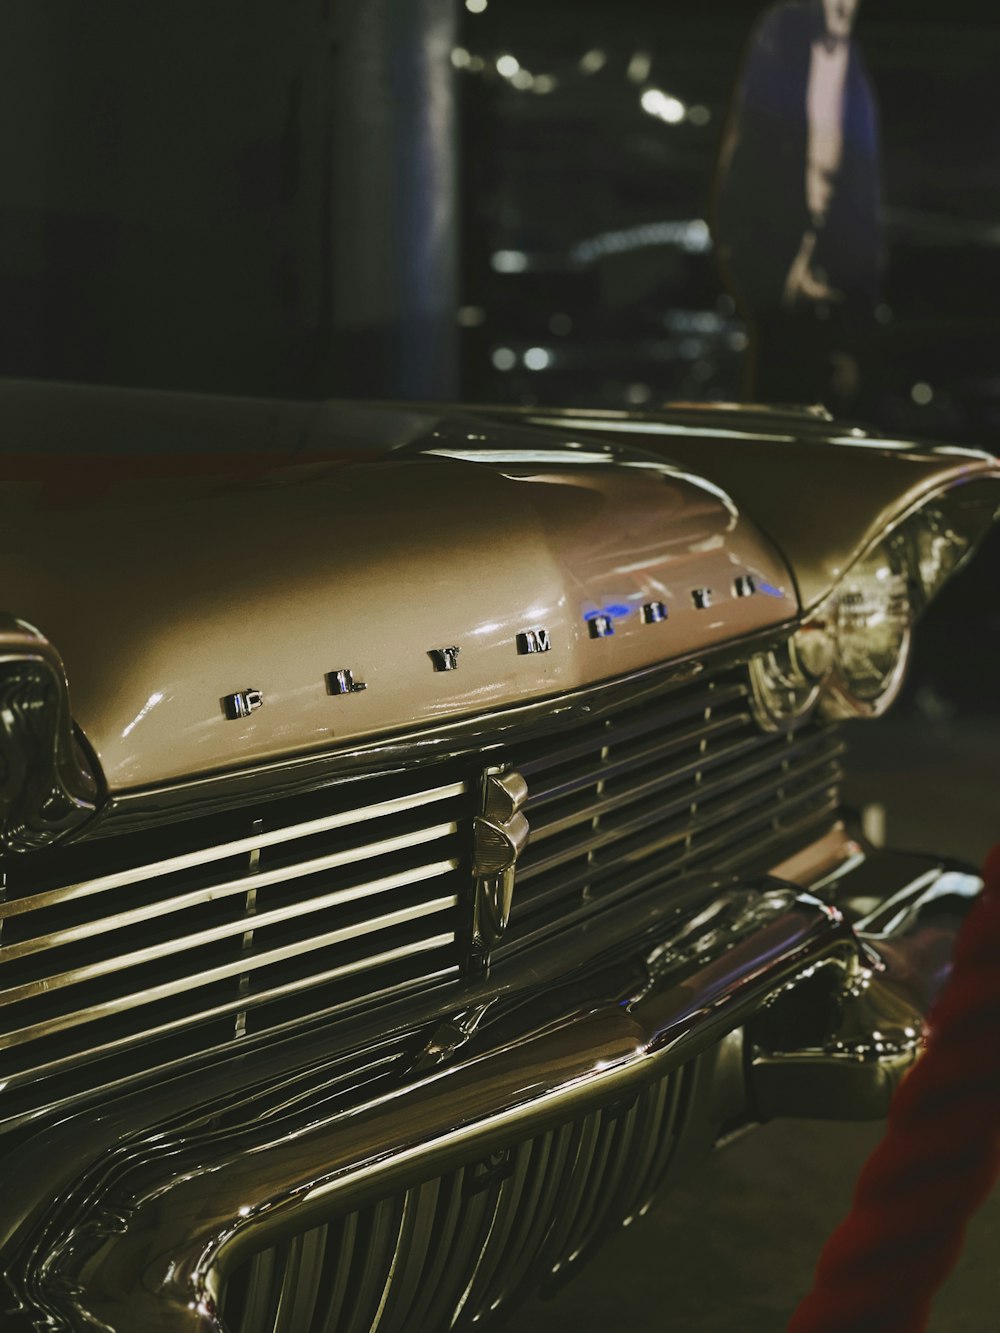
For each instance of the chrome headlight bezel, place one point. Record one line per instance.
(889, 583)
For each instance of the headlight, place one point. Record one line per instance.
(869, 620)
(939, 547)
(781, 693)
(850, 656)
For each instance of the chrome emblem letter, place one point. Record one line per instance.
(343, 682)
(534, 641)
(445, 659)
(744, 586)
(500, 833)
(601, 627)
(653, 613)
(702, 598)
(242, 703)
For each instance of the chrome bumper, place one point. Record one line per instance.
(820, 988)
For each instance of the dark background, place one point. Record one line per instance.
(262, 197)
(346, 197)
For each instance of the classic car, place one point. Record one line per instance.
(422, 835)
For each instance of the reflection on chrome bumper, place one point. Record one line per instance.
(830, 982)
(835, 1046)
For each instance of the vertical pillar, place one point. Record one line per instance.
(393, 200)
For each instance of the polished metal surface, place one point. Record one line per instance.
(343, 682)
(48, 787)
(534, 641)
(462, 1247)
(185, 953)
(850, 1070)
(499, 835)
(649, 794)
(601, 627)
(611, 1024)
(445, 659)
(242, 704)
(643, 796)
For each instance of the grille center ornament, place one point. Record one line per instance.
(500, 834)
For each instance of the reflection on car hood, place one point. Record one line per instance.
(170, 581)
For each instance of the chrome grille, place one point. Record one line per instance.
(284, 911)
(460, 1247)
(688, 781)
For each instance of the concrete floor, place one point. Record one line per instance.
(733, 1249)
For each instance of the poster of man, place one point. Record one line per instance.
(797, 223)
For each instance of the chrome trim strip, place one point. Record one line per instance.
(19, 1036)
(652, 725)
(33, 1073)
(188, 860)
(644, 870)
(604, 770)
(604, 805)
(50, 789)
(225, 889)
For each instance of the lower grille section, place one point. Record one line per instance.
(462, 1248)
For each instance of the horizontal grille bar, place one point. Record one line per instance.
(207, 855)
(249, 962)
(651, 793)
(269, 915)
(177, 903)
(247, 1002)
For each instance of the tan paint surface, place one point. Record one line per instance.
(177, 548)
(819, 491)
(166, 588)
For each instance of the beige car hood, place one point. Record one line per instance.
(821, 491)
(169, 581)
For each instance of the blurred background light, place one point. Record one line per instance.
(639, 67)
(657, 103)
(691, 236)
(508, 261)
(537, 358)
